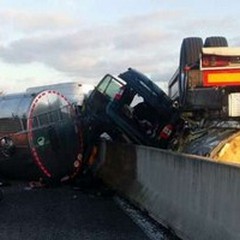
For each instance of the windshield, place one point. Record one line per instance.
(110, 86)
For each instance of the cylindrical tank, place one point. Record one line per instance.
(74, 91)
(39, 136)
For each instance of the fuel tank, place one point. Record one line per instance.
(39, 137)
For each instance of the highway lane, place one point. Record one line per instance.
(63, 213)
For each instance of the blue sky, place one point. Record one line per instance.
(52, 41)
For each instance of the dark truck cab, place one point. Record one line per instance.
(131, 107)
(207, 82)
(207, 87)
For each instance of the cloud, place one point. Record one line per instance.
(153, 18)
(35, 21)
(88, 52)
(224, 25)
(149, 43)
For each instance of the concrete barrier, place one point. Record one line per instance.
(194, 196)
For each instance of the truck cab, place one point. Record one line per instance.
(206, 86)
(134, 107)
(209, 85)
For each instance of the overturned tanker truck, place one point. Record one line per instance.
(39, 137)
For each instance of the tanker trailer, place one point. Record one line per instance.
(39, 137)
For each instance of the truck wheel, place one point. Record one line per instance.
(189, 54)
(216, 42)
(190, 51)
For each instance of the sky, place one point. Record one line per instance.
(56, 41)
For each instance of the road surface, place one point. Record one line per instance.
(63, 213)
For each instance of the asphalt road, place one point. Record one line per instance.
(62, 213)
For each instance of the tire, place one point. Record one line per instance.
(189, 54)
(190, 51)
(216, 42)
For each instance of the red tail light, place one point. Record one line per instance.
(166, 131)
(215, 61)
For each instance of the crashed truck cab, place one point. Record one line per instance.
(134, 108)
(207, 87)
(207, 81)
